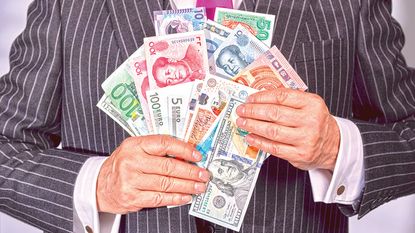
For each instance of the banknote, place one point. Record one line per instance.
(270, 71)
(212, 100)
(215, 35)
(106, 106)
(177, 110)
(176, 58)
(159, 106)
(260, 25)
(194, 96)
(179, 21)
(234, 170)
(239, 50)
(120, 88)
(136, 66)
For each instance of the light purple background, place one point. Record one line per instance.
(394, 217)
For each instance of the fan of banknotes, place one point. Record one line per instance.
(187, 81)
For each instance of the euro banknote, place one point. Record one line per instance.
(260, 25)
(239, 50)
(108, 108)
(179, 21)
(120, 88)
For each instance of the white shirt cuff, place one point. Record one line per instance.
(346, 183)
(85, 203)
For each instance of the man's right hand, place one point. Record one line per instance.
(139, 175)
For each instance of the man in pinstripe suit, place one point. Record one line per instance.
(347, 52)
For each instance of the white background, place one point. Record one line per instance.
(394, 217)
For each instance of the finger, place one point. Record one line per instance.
(172, 167)
(282, 96)
(166, 184)
(162, 145)
(271, 112)
(150, 199)
(280, 150)
(271, 131)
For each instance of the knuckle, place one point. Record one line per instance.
(275, 149)
(168, 166)
(156, 200)
(273, 132)
(281, 96)
(274, 114)
(166, 184)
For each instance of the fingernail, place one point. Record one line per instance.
(240, 122)
(249, 140)
(204, 175)
(240, 110)
(186, 199)
(200, 187)
(196, 155)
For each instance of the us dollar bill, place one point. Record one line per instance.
(260, 25)
(239, 50)
(108, 108)
(179, 21)
(235, 167)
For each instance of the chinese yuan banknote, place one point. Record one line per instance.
(260, 25)
(215, 35)
(137, 68)
(239, 50)
(179, 21)
(108, 108)
(270, 71)
(176, 58)
(120, 88)
(235, 167)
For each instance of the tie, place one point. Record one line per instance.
(211, 5)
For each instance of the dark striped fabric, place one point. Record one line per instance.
(347, 51)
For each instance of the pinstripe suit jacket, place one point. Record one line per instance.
(347, 51)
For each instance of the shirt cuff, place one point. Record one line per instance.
(345, 184)
(85, 203)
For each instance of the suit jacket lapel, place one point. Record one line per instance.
(132, 20)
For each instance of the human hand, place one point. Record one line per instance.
(293, 125)
(139, 175)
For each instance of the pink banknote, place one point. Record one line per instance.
(176, 58)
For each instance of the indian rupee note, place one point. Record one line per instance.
(179, 21)
(176, 58)
(270, 71)
(215, 35)
(258, 24)
(239, 50)
(120, 88)
(106, 106)
(235, 167)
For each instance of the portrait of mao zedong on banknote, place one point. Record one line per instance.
(230, 178)
(231, 60)
(169, 72)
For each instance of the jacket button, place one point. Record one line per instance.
(210, 229)
(89, 229)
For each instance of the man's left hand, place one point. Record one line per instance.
(293, 125)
